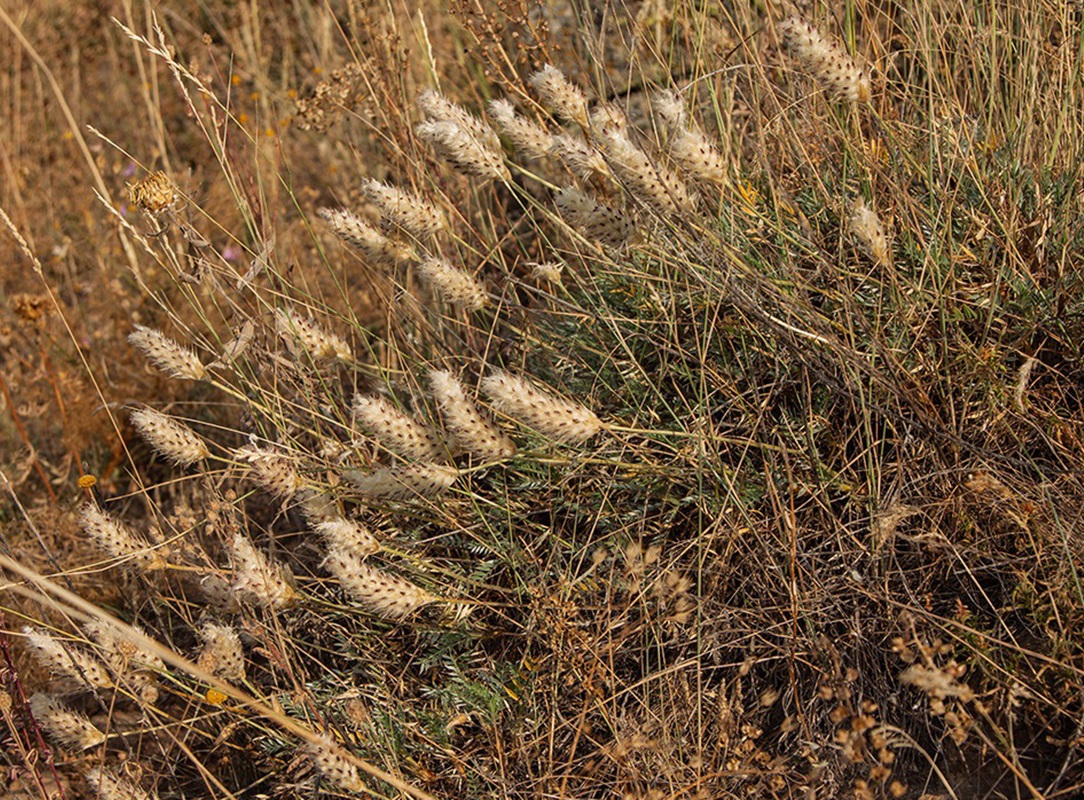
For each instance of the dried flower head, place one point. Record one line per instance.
(381, 592)
(689, 147)
(471, 431)
(122, 652)
(456, 286)
(273, 471)
(582, 159)
(560, 95)
(222, 654)
(645, 179)
(403, 483)
(66, 661)
(155, 193)
(333, 766)
(396, 431)
(827, 61)
(404, 210)
(597, 222)
(547, 271)
(70, 728)
(375, 246)
(307, 335)
(460, 137)
(172, 439)
(939, 684)
(867, 227)
(329, 99)
(436, 107)
(258, 579)
(118, 540)
(170, 357)
(531, 140)
(549, 414)
(350, 536)
(115, 787)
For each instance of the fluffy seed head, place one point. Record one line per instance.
(222, 653)
(530, 139)
(826, 60)
(549, 271)
(358, 233)
(646, 180)
(71, 729)
(170, 357)
(456, 286)
(455, 144)
(472, 432)
(403, 483)
(67, 662)
(689, 147)
(582, 159)
(397, 431)
(598, 223)
(122, 653)
(333, 767)
(404, 210)
(171, 439)
(549, 414)
(438, 108)
(273, 471)
(118, 540)
(155, 193)
(305, 333)
(867, 227)
(349, 536)
(560, 95)
(258, 579)
(381, 592)
(115, 787)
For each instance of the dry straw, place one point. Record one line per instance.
(560, 95)
(597, 222)
(171, 439)
(531, 140)
(371, 243)
(403, 483)
(118, 540)
(828, 62)
(407, 211)
(67, 662)
(222, 653)
(461, 138)
(259, 580)
(333, 766)
(867, 228)
(70, 728)
(471, 431)
(689, 147)
(306, 334)
(396, 431)
(350, 536)
(549, 414)
(381, 592)
(170, 357)
(456, 286)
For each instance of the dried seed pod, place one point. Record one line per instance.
(67, 661)
(305, 333)
(530, 139)
(404, 210)
(689, 147)
(258, 579)
(222, 654)
(172, 439)
(118, 540)
(560, 95)
(827, 61)
(457, 287)
(170, 357)
(381, 592)
(155, 193)
(273, 471)
(70, 728)
(554, 416)
(374, 245)
(472, 432)
(867, 227)
(396, 431)
(597, 222)
(349, 536)
(332, 765)
(403, 483)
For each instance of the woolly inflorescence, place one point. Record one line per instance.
(109, 786)
(171, 439)
(461, 138)
(333, 766)
(828, 62)
(455, 286)
(350, 536)
(643, 177)
(66, 661)
(384, 594)
(402, 483)
(549, 414)
(70, 728)
(118, 540)
(134, 667)
(531, 140)
(375, 246)
(582, 159)
(167, 355)
(597, 222)
(560, 95)
(222, 654)
(689, 147)
(306, 334)
(867, 227)
(404, 210)
(472, 432)
(273, 471)
(259, 580)
(396, 431)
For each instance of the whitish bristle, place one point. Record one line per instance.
(397, 431)
(597, 222)
(350, 536)
(405, 210)
(305, 333)
(531, 141)
(560, 95)
(172, 439)
(222, 653)
(66, 661)
(330, 762)
(829, 63)
(375, 246)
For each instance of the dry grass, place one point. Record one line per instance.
(789, 506)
